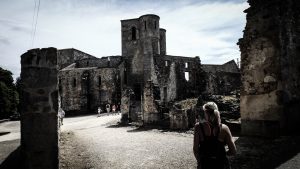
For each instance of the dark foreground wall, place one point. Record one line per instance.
(270, 50)
(39, 130)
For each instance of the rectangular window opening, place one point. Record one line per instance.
(186, 65)
(187, 76)
(74, 82)
(99, 81)
(166, 63)
(165, 94)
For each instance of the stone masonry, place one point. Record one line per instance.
(222, 79)
(270, 50)
(143, 82)
(39, 127)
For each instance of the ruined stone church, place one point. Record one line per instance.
(142, 81)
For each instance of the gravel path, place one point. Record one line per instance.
(88, 142)
(111, 146)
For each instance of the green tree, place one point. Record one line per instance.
(18, 85)
(9, 98)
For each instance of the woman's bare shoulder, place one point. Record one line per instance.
(225, 128)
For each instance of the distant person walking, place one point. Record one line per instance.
(107, 108)
(61, 115)
(113, 108)
(210, 137)
(99, 111)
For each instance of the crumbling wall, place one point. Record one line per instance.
(150, 112)
(65, 57)
(125, 100)
(231, 67)
(178, 118)
(223, 83)
(270, 68)
(39, 126)
(162, 41)
(140, 41)
(82, 90)
(171, 85)
(171, 72)
(103, 62)
(222, 79)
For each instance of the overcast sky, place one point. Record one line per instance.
(206, 28)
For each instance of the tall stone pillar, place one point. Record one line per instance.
(39, 124)
(270, 62)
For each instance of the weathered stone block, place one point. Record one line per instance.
(39, 129)
(270, 68)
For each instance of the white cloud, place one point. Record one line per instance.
(194, 28)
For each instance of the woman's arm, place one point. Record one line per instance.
(229, 141)
(196, 142)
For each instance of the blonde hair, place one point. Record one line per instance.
(213, 115)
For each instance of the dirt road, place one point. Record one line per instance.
(103, 144)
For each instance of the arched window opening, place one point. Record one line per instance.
(133, 33)
(155, 25)
(145, 24)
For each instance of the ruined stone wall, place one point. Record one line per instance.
(104, 62)
(230, 66)
(131, 49)
(140, 42)
(270, 68)
(65, 57)
(222, 79)
(171, 71)
(150, 113)
(162, 42)
(39, 123)
(82, 90)
(223, 83)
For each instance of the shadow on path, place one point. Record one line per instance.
(257, 153)
(147, 128)
(4, 133)
(13, 161)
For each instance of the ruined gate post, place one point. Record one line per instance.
(270, 64)
(39, 130)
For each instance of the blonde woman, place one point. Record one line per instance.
(210, 138)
